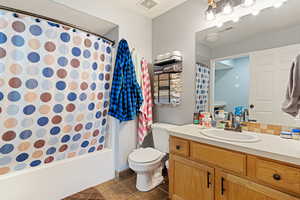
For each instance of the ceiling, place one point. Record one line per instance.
(59, 11)
(271, 19)
(162, 6)
(63, 13)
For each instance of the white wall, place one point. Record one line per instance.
(137, 30)
(175, 30)
(60, 179)
(113, 35)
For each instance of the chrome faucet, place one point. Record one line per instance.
(246, 115)
(231, 118)
(235, 126)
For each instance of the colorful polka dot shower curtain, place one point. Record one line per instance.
(54, 90)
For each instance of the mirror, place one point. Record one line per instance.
(246, 65)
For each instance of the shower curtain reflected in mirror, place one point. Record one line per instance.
(202, 88)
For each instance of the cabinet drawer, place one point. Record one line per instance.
(225, 159)
(278, 175)
(180, 146)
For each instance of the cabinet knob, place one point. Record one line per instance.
(277, 177)
(177, 147)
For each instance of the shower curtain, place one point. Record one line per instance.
(202, 88)
(54, 90)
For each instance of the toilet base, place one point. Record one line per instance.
(149, 180)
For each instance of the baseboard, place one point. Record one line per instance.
(124, 174)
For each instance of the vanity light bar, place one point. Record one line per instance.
(211, 13)
(248, 3)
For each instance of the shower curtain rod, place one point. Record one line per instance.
(55, 21)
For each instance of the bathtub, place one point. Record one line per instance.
(59, 179)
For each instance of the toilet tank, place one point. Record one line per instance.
(161, 136)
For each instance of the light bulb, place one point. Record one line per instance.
(228, 7)
(255, 12)
(278, 4)
(219, 25)
(248, 3)
(236, 19)
(210, 13)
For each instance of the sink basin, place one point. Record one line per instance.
(244, 137)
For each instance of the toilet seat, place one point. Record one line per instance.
(145, 155)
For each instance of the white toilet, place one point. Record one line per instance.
(147, 162)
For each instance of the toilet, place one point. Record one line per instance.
(147, 162)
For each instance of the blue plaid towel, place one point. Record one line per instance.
(126, 95)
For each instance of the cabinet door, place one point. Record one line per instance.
(190, 180)
(230, 187)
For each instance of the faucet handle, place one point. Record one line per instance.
(230, 116)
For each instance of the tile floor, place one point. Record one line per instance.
(122, 189)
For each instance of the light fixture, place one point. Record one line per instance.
(220, 24)
(278, 4)
(255, 12)
(210, 13)
(248, 3)
(236, 19)
(228, 7)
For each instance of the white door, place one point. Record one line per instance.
(269, 73)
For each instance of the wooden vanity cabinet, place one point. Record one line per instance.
(279, 175)
(231, 187)
(205, 172)
(190, 180)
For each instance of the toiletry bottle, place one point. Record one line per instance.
(196, 118)
(286, 135)
(296, 134)
(237, 121)
(214, 123)
(208, 123)
(201, 120)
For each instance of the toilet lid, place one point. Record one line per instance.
(144, 155)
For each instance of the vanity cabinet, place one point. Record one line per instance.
(277, 174)
(204, 172)
(231, 187)
(191, 180)
(230, 160)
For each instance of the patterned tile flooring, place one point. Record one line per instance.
(122, 189)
